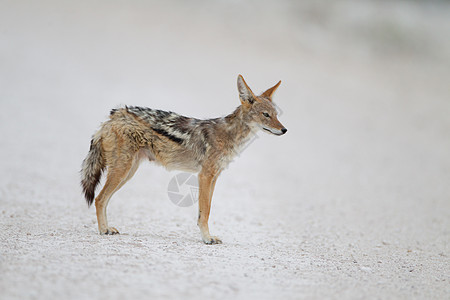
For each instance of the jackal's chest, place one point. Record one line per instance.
(234, 150)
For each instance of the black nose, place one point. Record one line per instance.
(283, 130)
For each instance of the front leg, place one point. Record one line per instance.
(207, 181)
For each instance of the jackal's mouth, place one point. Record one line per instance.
(272, 131)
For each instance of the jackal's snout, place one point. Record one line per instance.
(275, 131)
(273, 125)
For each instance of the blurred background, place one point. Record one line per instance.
(364, 82)
(365, 95)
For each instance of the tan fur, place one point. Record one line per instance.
(176, 142)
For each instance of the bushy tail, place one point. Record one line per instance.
(92, 169)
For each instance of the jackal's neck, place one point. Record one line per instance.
(239, 125)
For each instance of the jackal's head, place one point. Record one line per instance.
(260, 110)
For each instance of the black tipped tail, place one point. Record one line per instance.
(91, 171)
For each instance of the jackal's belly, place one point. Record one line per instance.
(173, 159)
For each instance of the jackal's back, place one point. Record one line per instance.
(175, 141)
(175, 127)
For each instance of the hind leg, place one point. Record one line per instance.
(117, 176)
(133, 169)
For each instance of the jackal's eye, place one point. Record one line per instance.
(266, 115)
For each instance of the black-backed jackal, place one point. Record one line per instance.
(205, 147)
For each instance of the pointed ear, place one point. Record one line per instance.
(245, 93)
(268, 94)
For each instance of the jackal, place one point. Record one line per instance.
(177, 142)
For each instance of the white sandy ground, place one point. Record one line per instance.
(352, 203)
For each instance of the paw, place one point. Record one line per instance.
(212, 240)
(109, 231)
